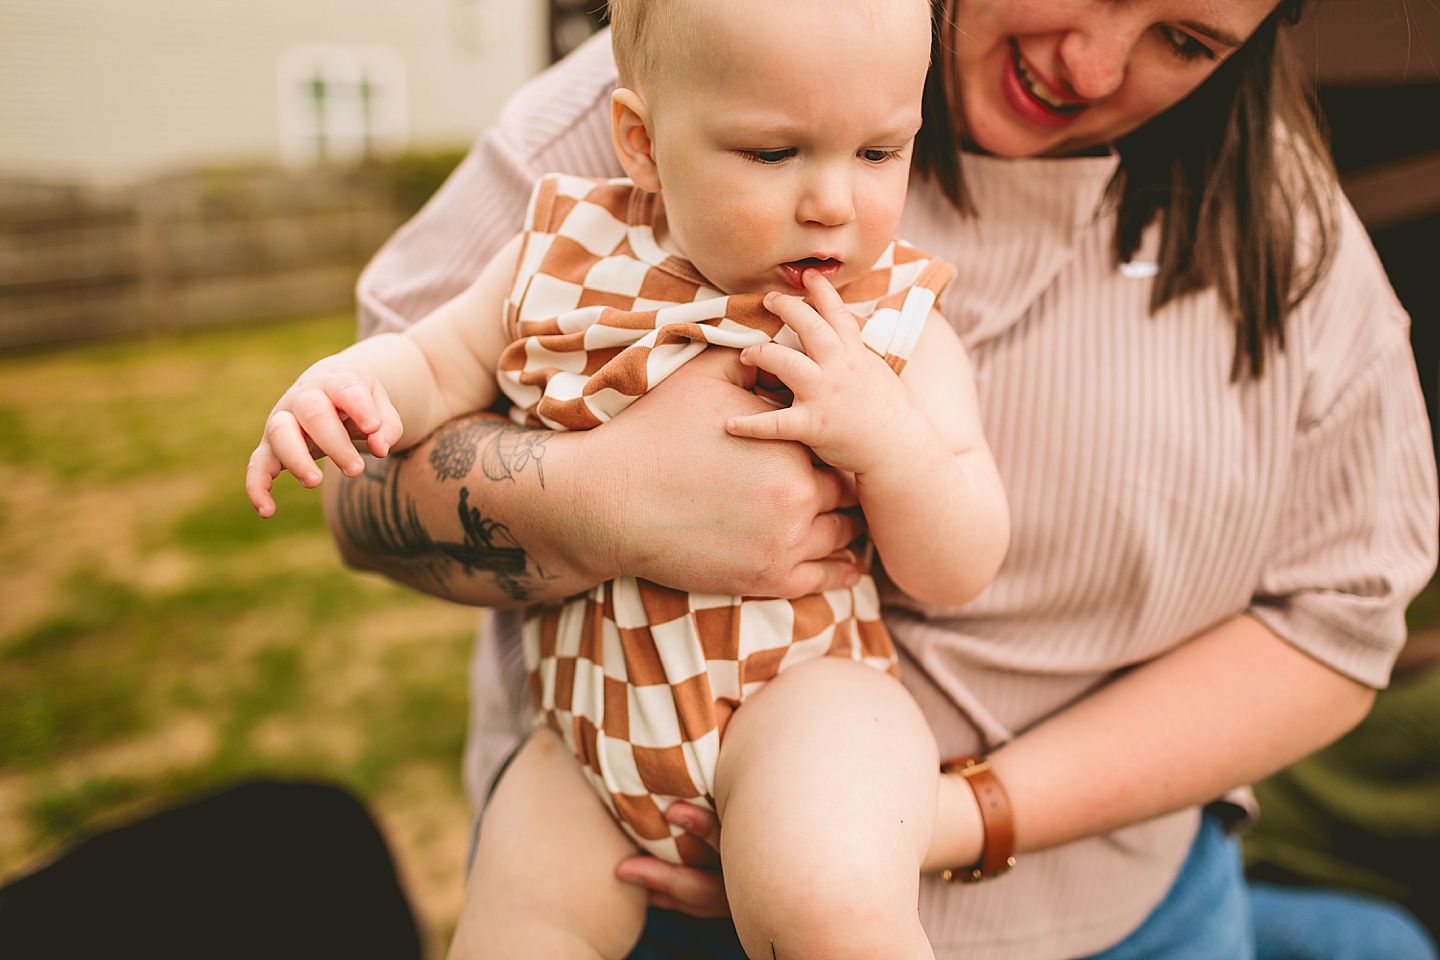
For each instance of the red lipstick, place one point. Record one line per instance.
(1026, 104)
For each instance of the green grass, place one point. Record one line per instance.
(159, 640)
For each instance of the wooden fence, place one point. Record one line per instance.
(185, 251)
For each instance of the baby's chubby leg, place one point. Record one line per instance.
(826, 790)
(543, 882)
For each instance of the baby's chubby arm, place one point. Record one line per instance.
(388, 392)
(927, 482)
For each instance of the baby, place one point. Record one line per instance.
(767, 147)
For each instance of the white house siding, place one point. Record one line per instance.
(108, 91)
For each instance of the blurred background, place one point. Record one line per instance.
(188, 190)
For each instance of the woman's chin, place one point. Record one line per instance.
(993, 136)
(1013, 142)
(1007, 146)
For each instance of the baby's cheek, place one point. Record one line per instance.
(881, 213)
(755, 226)
(879, 232)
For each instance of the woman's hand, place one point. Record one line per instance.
(697, 891)
(687, 505)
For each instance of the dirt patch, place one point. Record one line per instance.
(53, 530)
(429, 836)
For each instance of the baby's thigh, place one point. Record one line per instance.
(826, 789)
(544, 868)
(825, 725)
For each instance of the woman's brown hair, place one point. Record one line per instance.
(1237, 172)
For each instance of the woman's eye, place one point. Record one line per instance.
(877, 155)
(769, 156)
(1185, 46)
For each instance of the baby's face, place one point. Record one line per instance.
(785, 142)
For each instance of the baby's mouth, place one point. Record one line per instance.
(1039, 90)
(794, 271)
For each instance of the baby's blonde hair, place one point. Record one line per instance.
(651, 36)
(648, 35)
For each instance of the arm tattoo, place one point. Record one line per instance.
(507, 449)
(378, 520)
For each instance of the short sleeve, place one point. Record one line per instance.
(1357, 536)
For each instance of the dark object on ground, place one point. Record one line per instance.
(274, 870)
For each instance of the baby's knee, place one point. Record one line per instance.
(832, 915)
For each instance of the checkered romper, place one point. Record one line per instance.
(636, 678)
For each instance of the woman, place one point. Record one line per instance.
(1218, 523)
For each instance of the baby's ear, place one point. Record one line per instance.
(629, 128)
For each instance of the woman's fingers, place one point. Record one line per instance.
(693, 890)
(700, 823)
(833, 567)
(700, 893)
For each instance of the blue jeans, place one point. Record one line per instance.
(1206, 914)
(1293, 923)
(1210, 913)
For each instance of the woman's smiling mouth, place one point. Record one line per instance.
(1038, 90)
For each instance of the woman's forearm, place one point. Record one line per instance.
(488, 513)
(469, 515)
(1225, 709)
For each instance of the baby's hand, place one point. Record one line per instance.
(849, 405)
(329, 412)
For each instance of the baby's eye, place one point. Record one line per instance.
(769, 156)
(1184, 45)
(878, 155)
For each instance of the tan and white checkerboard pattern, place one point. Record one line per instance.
(636, 678)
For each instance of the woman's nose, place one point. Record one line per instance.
(828, 198)
(1095, 58)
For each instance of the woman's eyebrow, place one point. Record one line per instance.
(1214, 33)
